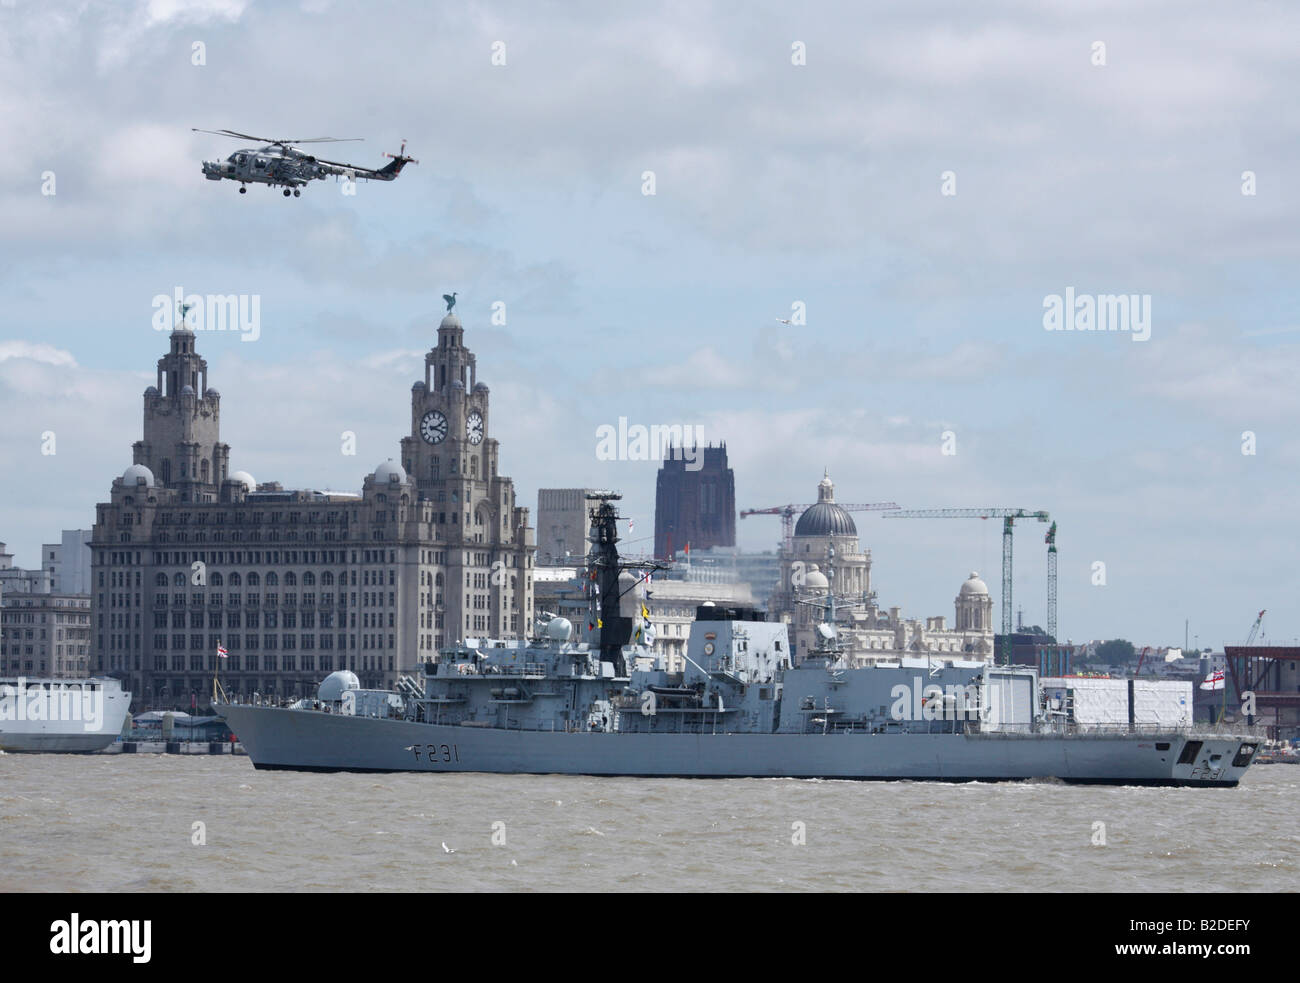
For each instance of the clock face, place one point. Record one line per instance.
(433, 427)
(474, 428)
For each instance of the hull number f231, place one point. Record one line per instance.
(436, 753)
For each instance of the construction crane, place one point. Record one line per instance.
(1254, 629)
(788, 512)
(1008, 517)
(1050, 540)
(1141, 659)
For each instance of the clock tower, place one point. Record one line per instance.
(450, 457)
(449, 418)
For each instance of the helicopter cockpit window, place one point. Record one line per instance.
(259, 163)
(243, 159)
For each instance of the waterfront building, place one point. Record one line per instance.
(189, 555)
(44, 631)
(563, 522)
(825, 557)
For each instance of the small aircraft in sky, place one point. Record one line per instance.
(282, 165)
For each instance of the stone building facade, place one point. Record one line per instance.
(825, 558)
(297, 583)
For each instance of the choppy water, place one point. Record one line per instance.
(125, 823)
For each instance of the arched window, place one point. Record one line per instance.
(253, 579)
(179, 580)
(290, 579)
(309, 579)
(234, 580)
(327, 579)
(437, 580)
(160, 580)
(217, 580)
(272, 580)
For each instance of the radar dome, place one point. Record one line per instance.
(389, 471)
(337, 683)
(136, 473)
(558, 629)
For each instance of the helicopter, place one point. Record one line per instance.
(281, 164)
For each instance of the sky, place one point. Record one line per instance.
(909, 185)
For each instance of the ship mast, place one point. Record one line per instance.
(604, 567)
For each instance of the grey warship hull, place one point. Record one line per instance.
(312, 740)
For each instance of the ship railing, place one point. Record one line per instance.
(1117, 730)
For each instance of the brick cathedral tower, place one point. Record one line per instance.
(696, 507)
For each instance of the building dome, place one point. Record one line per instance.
(389, 471)
(825, 518)
(814, 579)
(418, 386)
(187, 390)
(450, 321)
(480, 387)
(247, 479)
(136, 473)
(151, 391)
(974, 585)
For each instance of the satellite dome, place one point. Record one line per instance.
(389, 471)
(337, 683)
(243, 476)
(136, 473)
(815, 579)
(973, 585)
(450, 321)
(825, 518)
(559, 629)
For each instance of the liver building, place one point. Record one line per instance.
(188, 556)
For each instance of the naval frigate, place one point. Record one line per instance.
(741, 707)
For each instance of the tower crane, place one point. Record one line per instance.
(1050, 540)
(1008, 517)
(788, 512)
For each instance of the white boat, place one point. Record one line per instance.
(65, 715)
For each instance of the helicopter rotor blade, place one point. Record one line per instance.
(274, 142)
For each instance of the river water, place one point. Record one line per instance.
(128, 823)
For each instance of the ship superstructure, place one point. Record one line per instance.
(740, 708)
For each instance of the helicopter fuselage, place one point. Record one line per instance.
(260, 167)
(291, 169)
